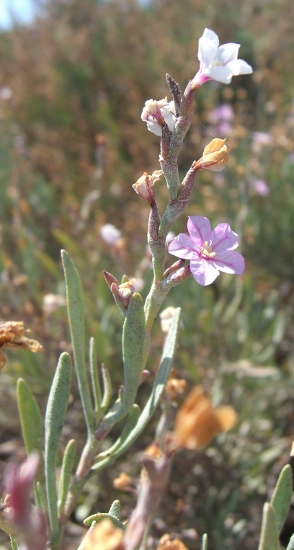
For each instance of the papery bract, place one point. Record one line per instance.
(218, 63)
(209, 251)
(215, 156)
(158, 113)
(144, 185)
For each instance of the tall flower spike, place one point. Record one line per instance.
(209, 251)
(218, 63)
(159, 113)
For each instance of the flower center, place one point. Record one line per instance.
(206, 250)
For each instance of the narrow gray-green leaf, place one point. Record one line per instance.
(54, 420)
(31, 422)
(130, 424)
(13, 543)
(99, 517)
(95, 378)
(41, 497)
(204, 543)
(158, 387)
(291, 544)
(132, 347)
(107, 388)
(66, 472)
(76, 316)
(269, 536)
(114, 509)
(281, 498)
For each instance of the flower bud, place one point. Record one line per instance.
(215, 156)
(144, 185)
(123, 293)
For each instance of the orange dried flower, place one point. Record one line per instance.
(197, 422)
(215, 156)
(166, 543)
(144, 185)
(122, 482)
(153, 451)
(175, 387)
(104, 536)
(12, 336)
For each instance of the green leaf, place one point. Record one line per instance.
(75, 308)
(133, 348)
(66, 472)
(31, 422)
(107, 388)
(95, 377)
(291, 544)
(114, 509)
(281, 498)
(204, 544)
(154, 399)
(54, 420)
(99, 517)
(13, 543)
(130, 424)
(269, 537)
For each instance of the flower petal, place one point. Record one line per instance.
(220, 74)
(239, 66)
(183, 247)
(223, 238)
(204, 271)
(154, 127)
(200, 230)
(168, 114)
(230, 262)
(226, 53)
(208, 45)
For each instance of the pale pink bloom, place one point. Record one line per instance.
(260, 187)
(51, 302)
(218, 63)
(29, 522)
(158, 113)
(262, 138)
(220, 113)
(209, 251)
(110, 234)
(5, 93)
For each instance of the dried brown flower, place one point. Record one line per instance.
(166, 543)
(215, 156)
(175, 387)
(197, 422)
(104, 536)
(122, 482)
(12, 336)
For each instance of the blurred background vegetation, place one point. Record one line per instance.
(72, 87)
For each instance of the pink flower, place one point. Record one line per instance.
(29, 522)
(218, 63)
(209, 251)
(260, 187)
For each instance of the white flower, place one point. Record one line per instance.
(156, 113)
(110, 234)
(218, 63)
